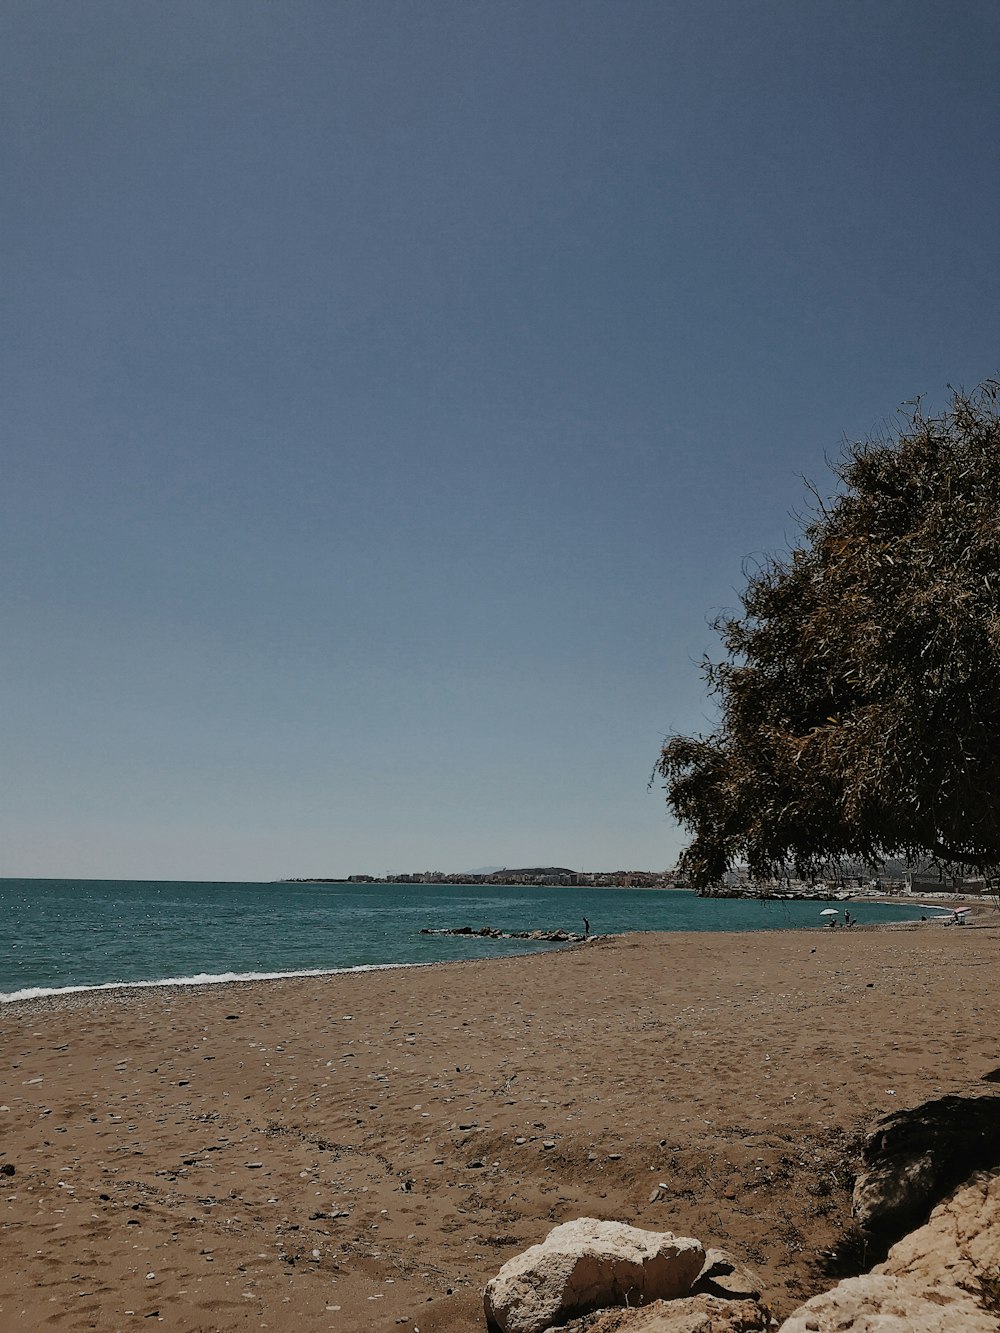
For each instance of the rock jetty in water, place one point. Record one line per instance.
(491, 933)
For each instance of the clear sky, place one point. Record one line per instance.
(392, 392)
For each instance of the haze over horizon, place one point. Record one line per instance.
(394, 393)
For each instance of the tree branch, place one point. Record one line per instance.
(950, 854)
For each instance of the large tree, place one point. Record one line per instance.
(859, 694)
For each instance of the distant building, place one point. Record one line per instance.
(928, 880)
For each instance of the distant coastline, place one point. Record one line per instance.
(529, 877)
(899, 882)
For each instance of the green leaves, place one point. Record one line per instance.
(860, 691)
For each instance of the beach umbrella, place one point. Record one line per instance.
(829, 911)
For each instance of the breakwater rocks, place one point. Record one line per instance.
(491, 933)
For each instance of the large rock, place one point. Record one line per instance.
(724, 1276)
(588, 1265)
(688, 1314)
(959, 1246)
(880, 1304)
(913, 1158)
(943, 1278)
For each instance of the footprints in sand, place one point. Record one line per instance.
(371, 1142)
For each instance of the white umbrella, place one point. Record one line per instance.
(829, 911)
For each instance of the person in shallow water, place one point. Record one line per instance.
(586, 926)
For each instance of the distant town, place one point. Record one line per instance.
(533, 875)
(896, 878)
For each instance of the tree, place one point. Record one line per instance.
(859, 696)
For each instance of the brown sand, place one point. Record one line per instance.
(364, 1151)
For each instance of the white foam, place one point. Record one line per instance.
(201, 979)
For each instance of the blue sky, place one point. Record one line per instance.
(393, 392)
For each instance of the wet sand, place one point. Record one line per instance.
(363, 1151)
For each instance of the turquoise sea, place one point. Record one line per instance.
(77, 934)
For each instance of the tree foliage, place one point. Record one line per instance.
(859, 696)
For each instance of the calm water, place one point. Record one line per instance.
(81, 933)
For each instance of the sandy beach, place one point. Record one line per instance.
(363, 1151)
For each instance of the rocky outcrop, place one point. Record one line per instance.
(588, 1265)
(888, 1305)
(913, 1158)
(959, 1246)
(943, 1278)
(492, 933)
(688, 1314)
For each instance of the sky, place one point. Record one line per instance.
(393, 393)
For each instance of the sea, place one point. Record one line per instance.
(61, 935)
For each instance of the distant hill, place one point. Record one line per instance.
(519, 870)
(537, 870)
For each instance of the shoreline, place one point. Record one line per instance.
(211, 980)
(382, 1141)
(30, 994)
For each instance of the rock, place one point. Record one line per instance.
(940, 1279)
(878, 1304)
(913, 1158)
(960, 1244)
(722, 1276)
(7, 1169)
(587, 1265)
(494, 933)
(689, 1314)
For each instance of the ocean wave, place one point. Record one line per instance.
(200, 979)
